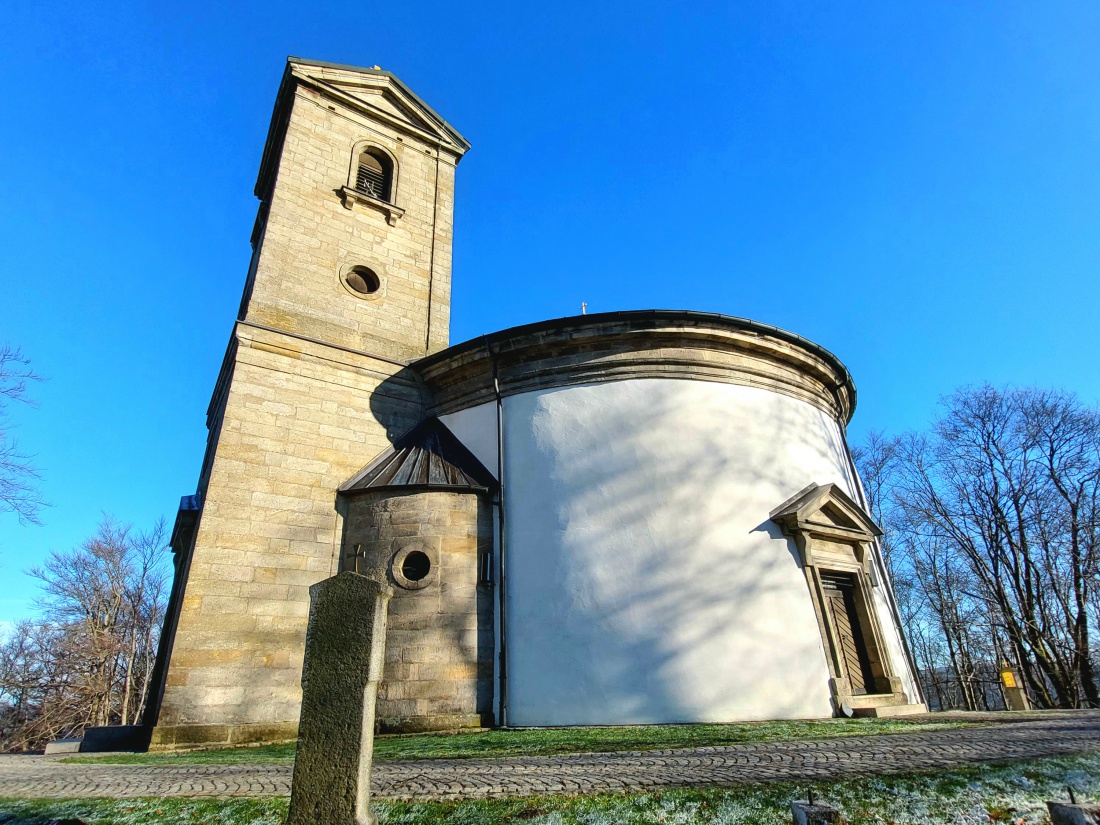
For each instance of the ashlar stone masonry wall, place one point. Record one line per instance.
(439, 645)
(312, 389)
(299, 420)
(310, 237)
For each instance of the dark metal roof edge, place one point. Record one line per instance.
(186, 517)
(418, 488)
(386, 455)
(276, 132)
(580, 321)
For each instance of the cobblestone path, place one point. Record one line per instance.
(38, 776)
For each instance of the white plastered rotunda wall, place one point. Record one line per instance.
(476, 428)
(646, 582)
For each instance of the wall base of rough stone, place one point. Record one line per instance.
(441, 722)
(195, 737)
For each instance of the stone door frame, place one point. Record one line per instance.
(833, 534)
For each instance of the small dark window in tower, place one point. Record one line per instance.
(375, 175)
(362, 280)
(416, 566)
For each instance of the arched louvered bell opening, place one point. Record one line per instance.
(373, 177)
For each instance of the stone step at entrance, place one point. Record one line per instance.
(893, 710)
(884, 711)
(881, 705)
(876, 700)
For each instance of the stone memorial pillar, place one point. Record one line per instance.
(344, 656)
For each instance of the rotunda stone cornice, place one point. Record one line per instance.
(617, 346)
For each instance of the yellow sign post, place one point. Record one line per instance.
(1015, 697)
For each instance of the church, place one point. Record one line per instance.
(620, 518)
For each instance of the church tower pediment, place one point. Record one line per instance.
(384, 101)
(380, 95)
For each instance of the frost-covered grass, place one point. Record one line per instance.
(1013, 793)
(555, 740)
(148, 811)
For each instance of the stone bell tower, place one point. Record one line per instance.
(357, 189)
(350, 279)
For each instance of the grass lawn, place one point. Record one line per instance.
(552, 741)
(1013, 793)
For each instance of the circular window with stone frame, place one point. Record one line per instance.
(361, 281)
(412, 567)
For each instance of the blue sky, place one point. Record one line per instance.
(915, 187)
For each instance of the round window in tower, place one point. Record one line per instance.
(412, 566)
(362, 281)
(416, 566)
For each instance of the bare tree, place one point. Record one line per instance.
(1066, 437)
(937, 615)
(994, 519)
(36, 673)
(88, 658)
(18, 477)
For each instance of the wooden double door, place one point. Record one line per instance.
(839, 590)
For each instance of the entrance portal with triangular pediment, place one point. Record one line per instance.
(835, 539)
